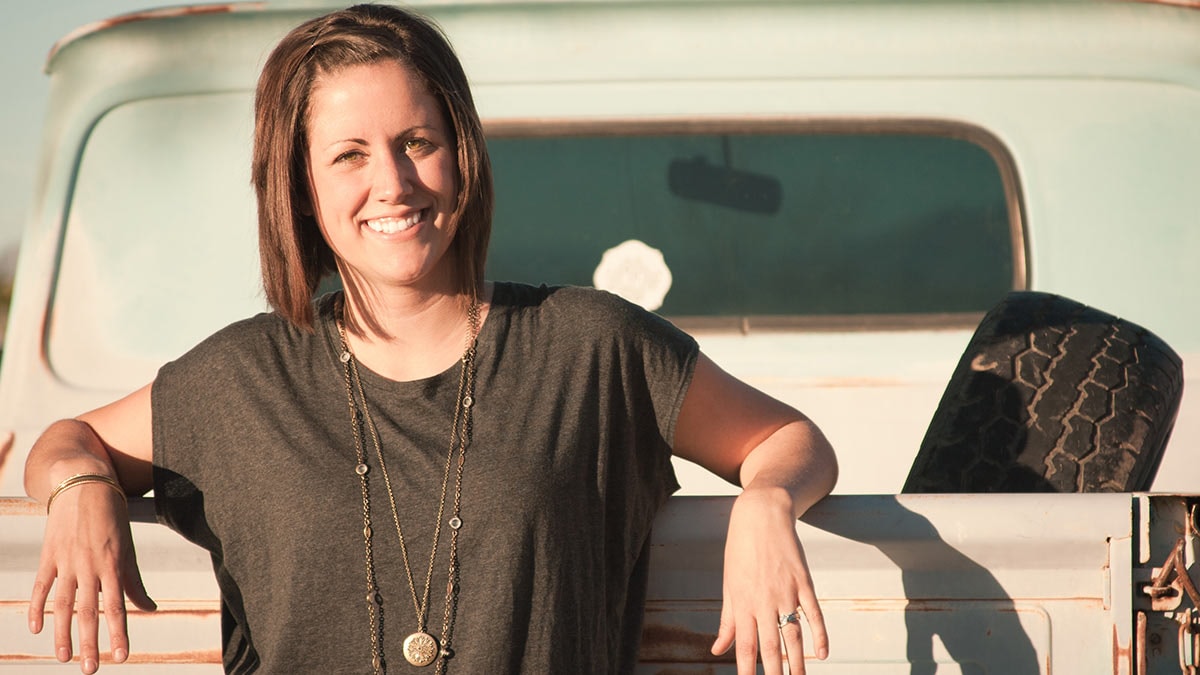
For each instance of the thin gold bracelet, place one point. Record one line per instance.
(80, 479)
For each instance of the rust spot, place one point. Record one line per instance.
(1122, 655)
(1194, 4)
(940, 604)
(145, 15)
(1141, 643)
(6, 445)
(193, 656)
(20, 506)
(674, 644)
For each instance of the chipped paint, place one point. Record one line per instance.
(1140, 648)
(1190, 4)
(197, 656)
(675, 644)
(20, 506)
(200, 656)
(1122, 655)
(145, 15)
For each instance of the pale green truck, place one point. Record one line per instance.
(829, 195)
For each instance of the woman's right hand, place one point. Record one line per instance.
(87, 554)
(88, 558)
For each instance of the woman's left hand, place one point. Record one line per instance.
(766, 577)
(785, 465)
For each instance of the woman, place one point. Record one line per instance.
(427, 469)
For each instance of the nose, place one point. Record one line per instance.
(393, 177)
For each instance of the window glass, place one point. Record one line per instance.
(760, 225)
(160, 246)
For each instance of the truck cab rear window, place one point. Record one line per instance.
(767, 226)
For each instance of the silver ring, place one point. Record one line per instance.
(785, 619)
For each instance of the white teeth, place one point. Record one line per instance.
(394, 225)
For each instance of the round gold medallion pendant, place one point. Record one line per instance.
(420, 649)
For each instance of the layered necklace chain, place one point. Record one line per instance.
(420, 648)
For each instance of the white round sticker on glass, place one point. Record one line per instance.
(636, 272)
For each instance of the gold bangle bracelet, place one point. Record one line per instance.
(80, 479)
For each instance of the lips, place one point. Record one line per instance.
(391, 225)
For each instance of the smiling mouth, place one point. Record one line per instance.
(394, 225)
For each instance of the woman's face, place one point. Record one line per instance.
(383, 176)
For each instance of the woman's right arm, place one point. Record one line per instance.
(88, 550)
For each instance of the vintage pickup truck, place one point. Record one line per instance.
(829, 195)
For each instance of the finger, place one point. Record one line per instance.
(115, 618)
(793, 647)
(811, 609)
(769, 644)
(747, 644)
(725, 632)
(64, 610)
(816, 623)
(87, 613)
(135, 589)
(42, 584)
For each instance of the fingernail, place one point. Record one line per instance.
(33, 627)
(89, 665)
(119, 655)
(64, 654)
(822, 653)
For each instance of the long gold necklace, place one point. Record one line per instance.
(420, 648)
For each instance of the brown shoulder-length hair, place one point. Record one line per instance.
(295, 257)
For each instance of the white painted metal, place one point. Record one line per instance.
(981, 583)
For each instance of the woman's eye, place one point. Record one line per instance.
(416, 145)
(348, 156)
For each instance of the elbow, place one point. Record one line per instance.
(826, 461)
(65, 443)
(832, 470)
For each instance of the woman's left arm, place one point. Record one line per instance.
(784, 465)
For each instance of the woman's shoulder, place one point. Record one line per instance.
(579, 305)
(579, 309)
(546, 297)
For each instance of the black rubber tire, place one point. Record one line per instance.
(1052, 396)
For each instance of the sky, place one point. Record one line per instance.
(29, 30)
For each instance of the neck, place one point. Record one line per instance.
(409, 334)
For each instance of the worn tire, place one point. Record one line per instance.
(1052, 396)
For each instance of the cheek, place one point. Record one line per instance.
(332, 196)
(441, 176)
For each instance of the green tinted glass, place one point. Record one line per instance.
(768, 225)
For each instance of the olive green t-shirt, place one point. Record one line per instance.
(576, 398)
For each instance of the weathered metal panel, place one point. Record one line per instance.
(185, 630)
(909, 584)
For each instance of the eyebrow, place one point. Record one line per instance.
(407, 132)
